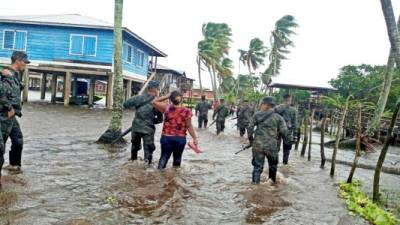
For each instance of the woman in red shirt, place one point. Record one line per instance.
(177, 122)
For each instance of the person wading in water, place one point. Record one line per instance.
(177, 122)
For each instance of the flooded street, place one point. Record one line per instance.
(68, 179)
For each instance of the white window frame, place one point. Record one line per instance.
(83, 44)
(126, 43)
(15, 35)
(139, 53)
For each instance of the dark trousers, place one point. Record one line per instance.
(203, 120)
(286, 152)
(220, 126)
(258, 165)
(5, 127)
(242, 130)
(17, 143)
(148, 146)
(171, 145)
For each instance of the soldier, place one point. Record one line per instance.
(202, 111)
(244, 115)
(143, 124)
(265, 141)
(13, 74)
(221, 112)
(289, 114)
(10, 103)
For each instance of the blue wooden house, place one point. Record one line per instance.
(71, 46)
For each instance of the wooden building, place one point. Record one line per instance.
(171, 79)
(71, 47)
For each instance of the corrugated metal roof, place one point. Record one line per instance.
(302, 87)
(74, 20)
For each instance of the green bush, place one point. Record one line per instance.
(359, 203)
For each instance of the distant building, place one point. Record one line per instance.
(71, 46)
(195, 94)
(171, 79)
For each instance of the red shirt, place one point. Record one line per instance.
(175, 121)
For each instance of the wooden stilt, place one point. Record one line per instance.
(109, 97)
(53, 88)
(75, 86)
(91, 91)
(67, 87)
(26, 86)
(129, 89)
(43, 86)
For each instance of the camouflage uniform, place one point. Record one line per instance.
(202, 113)
(244, 114)
(142, 126)
(265, 144)
(289, 114)
(221, 112)
(10, 98)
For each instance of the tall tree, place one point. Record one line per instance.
(374, 122)
(114, 129)
(254, 56)
(394, 38)
(213, 49)
(280, 41)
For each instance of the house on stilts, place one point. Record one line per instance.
(69, 50)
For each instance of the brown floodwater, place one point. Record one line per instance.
(69, 179)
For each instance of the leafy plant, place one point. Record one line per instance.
(359, 203)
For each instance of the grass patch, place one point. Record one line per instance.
(359, 204)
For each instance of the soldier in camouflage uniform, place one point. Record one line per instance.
(244, 115)
(289, 114)
(202, 111)
(269, 125)
(10, 101)
(143, 124)
(221, 112)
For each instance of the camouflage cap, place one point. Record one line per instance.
(153, 84)
(20, 55)
(269, 100)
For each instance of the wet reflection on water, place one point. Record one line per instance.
(68, 179)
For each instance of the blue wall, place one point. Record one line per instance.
(52, 43)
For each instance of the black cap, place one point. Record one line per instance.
(269, 100)
(20, 55)
(153, 84)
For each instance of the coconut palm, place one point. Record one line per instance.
(387, 83)
(280, 41)
(254, 56)
(213, 49)
(114, 129)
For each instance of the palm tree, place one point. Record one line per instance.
(198, 60)
(394, 38)
(387, 83)
(254, 56)
(114, 129)
(280, 41)
(213, 49)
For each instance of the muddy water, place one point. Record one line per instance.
(68, 179)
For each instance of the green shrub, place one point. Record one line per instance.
(359, 203)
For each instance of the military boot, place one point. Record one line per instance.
(256, 177)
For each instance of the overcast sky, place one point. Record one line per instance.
(332, 33)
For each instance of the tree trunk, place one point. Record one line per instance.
(215, 84)
(114, 129)
(296, 147)
(323, 126)
(199, 70)
(305, 138)
(212, 83)
(358, 146)
(310, 137)
(338, 134)
(382, 156)
(392, 30)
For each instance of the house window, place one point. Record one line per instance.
(139, 57)
(83, 45)
(127, 53)
(14, 39)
